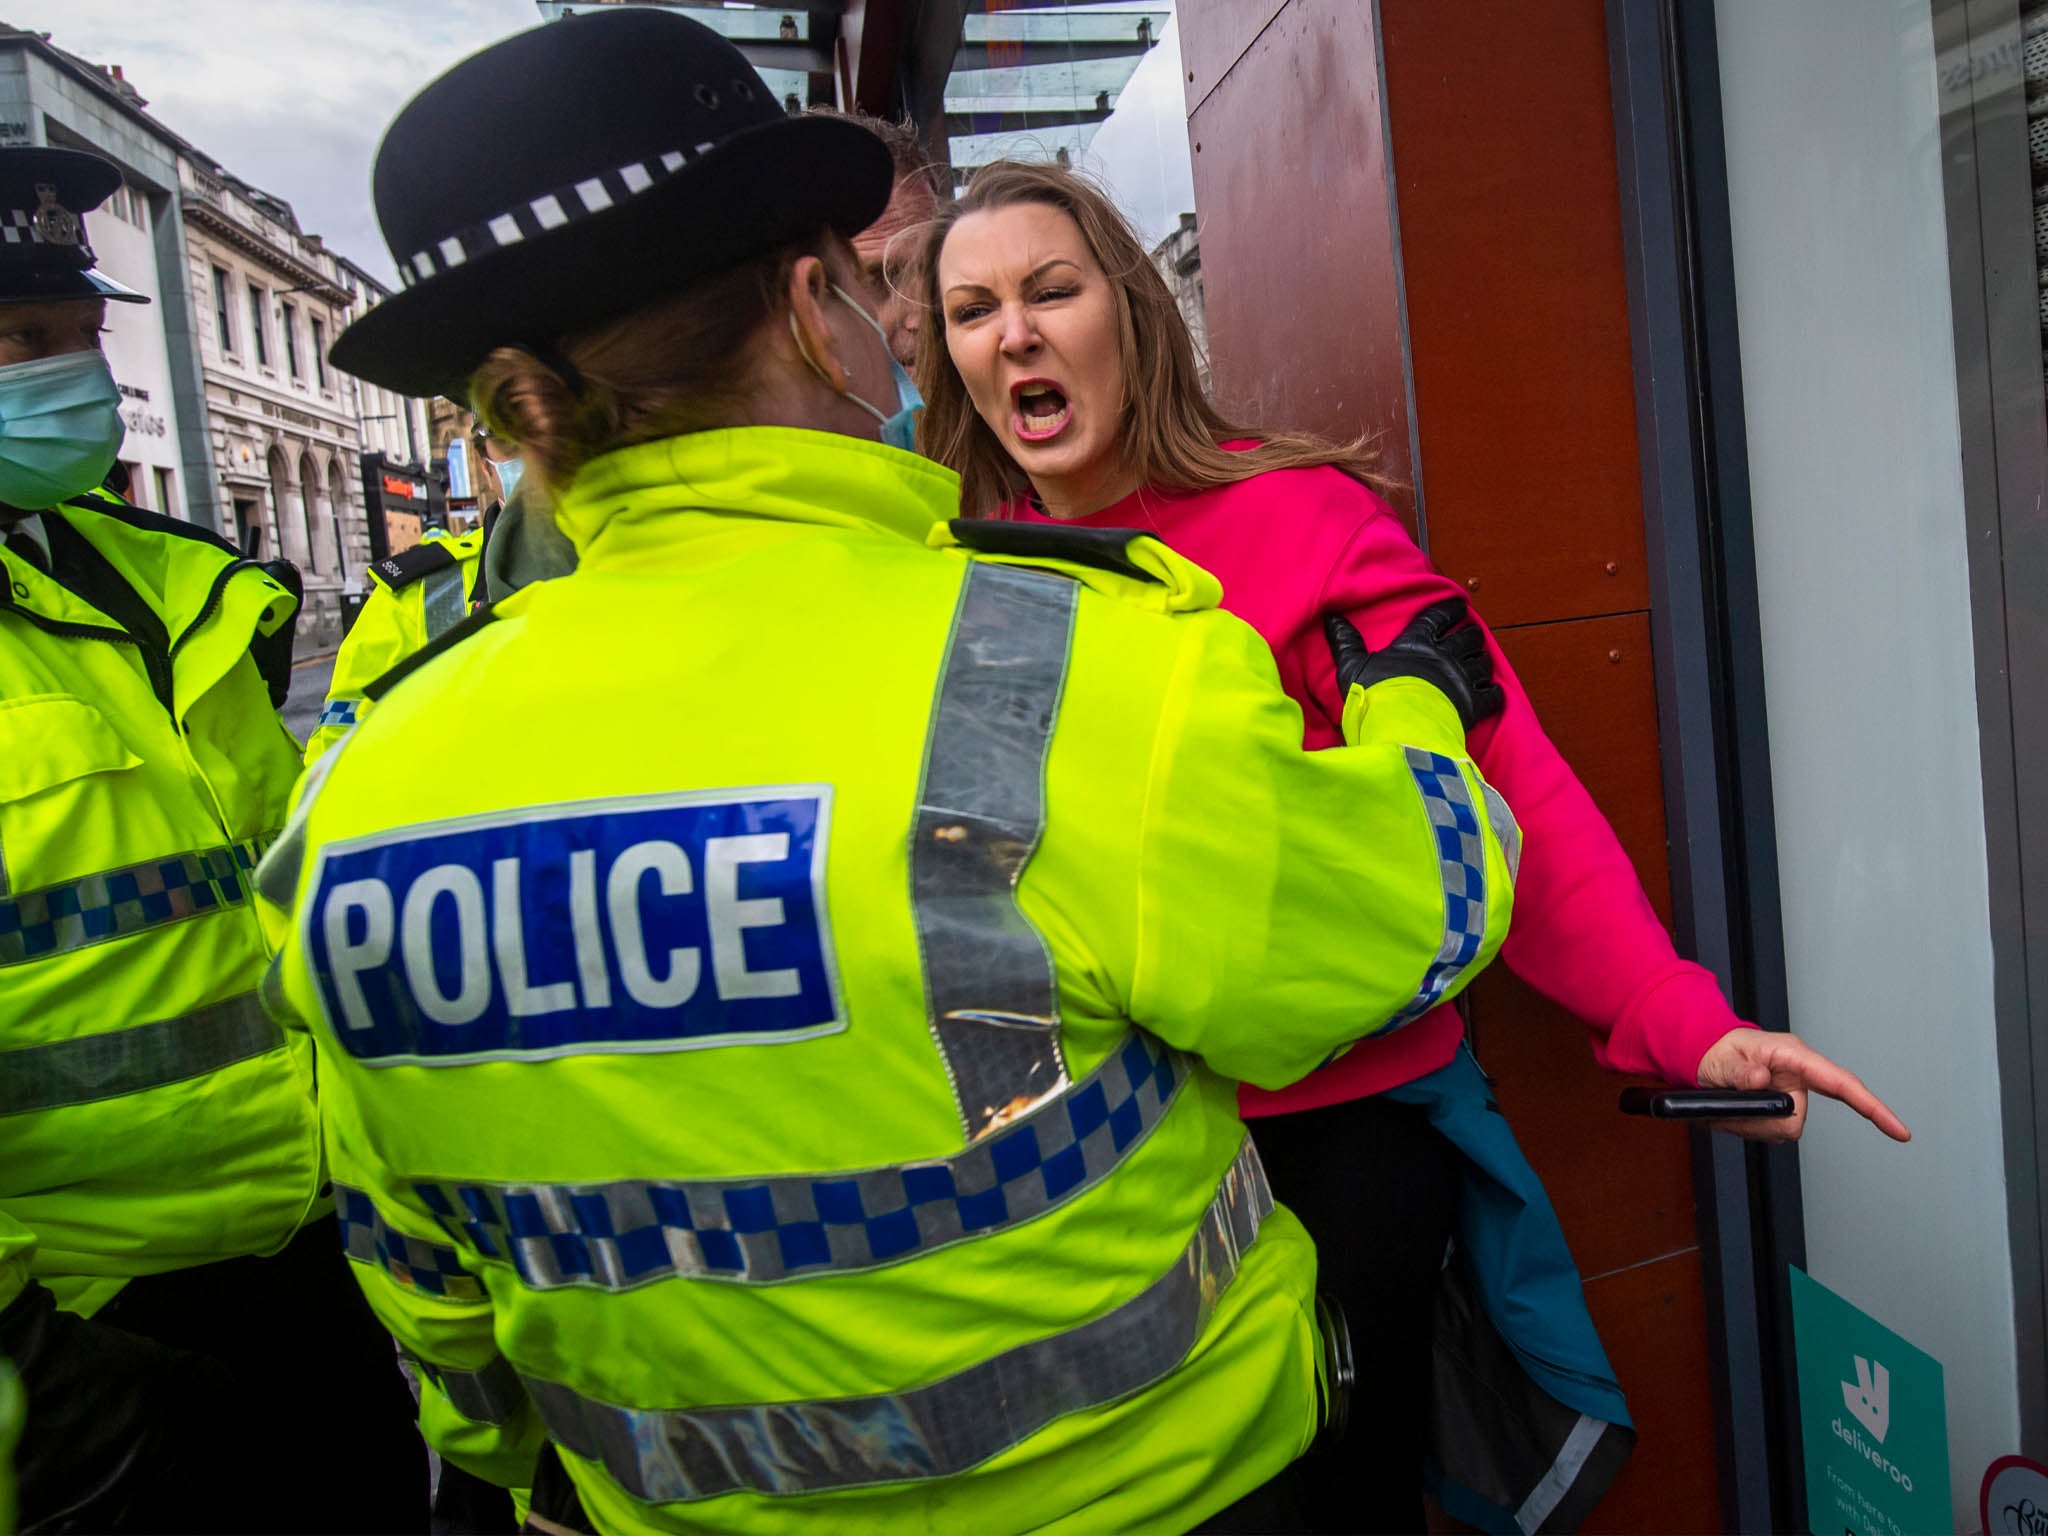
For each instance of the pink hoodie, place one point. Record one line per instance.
(1292, 545)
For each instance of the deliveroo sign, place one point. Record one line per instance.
(1875, 1419)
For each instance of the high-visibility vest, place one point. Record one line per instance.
(779, 1046)
(416, 596)
(152, 1116)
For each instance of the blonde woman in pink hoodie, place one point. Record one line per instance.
(1060, 382)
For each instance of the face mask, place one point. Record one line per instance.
(60, 428)
(899, 430)
(509, 472)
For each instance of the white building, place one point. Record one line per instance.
(49, 97)
(287, 429)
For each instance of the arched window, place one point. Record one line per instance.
(319, 521)
(287, 511)
(337, 511)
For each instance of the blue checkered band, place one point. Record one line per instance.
(565, 205)
(492, 1395)
(118, 902)
(989, 984)
(1461, 856)
(754, 1231)
(339, 712)
(368, 1238)
(939, 1429)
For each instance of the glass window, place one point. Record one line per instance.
(319, 352)
(259, 339)
(220, 310)
(166, 500)
(288, 318)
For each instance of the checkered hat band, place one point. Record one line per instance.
(119, 902)
(754, 1231)
(1461, 862)
(565, 205)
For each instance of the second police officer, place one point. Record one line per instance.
(776, 1064)
(166, 1248)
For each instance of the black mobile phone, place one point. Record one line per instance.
(1706, 1103)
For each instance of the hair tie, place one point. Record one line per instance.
(549, 357)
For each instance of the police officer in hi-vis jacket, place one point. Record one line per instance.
(192, 1353)
(777, 1052)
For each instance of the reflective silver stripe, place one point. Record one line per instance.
(1461, 866)
(441, 600)
(757, 1230)
(947, 1427)
(1557, 1482)
(1506, 830)
(90, 1068)
(367, 1238)
(115, 903)
(990, 991)
(492, 1395)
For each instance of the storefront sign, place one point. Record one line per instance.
(1875, 1417)
(2014, 1500)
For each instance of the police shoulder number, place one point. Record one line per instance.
(663, 923)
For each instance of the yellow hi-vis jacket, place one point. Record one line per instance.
(779, 1045)
(416, 596)
(152, 1117)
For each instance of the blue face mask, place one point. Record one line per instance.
(899, 430)
(509, 471)
(60, 428)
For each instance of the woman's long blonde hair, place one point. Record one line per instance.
(1171, 435)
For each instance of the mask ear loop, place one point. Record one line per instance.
(805, 353)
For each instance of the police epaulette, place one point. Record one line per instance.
(449, 638)
(1106, 549)
(408, 566)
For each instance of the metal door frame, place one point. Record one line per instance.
(1710, 697)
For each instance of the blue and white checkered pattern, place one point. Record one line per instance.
(339, 712)
(753, 1231)
(368, 1238)
(118, 902)
(1461, 856)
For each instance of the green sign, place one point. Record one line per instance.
(1875, 1419)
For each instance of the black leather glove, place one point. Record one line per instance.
(1439, 646)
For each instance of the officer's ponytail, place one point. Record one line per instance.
(682, 364)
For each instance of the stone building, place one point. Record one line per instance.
(287, 429)
(50, 97)
(1179, 260)
(235, 420)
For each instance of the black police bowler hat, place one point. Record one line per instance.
(44, 196)
(572, 174)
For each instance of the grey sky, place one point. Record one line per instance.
(292, 94)
(288, 94)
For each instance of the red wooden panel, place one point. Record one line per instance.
(1595, 690)
(1301, 289)
(1653, 1320)
(1503, 152)
(1212, 35)
(1622, 1187)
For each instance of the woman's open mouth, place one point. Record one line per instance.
(1039, 411)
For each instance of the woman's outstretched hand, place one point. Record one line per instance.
(1759, 1058)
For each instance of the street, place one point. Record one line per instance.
(309, 693)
